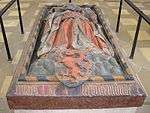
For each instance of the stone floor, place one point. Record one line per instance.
(30, 9)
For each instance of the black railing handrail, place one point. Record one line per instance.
(3, 10)
(141, 16)
(144, 16)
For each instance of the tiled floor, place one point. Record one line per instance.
(30, 9)
(116, 110)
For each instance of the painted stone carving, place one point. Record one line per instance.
(73, 48)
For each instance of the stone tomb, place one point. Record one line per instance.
(31, 92)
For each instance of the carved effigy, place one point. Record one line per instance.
(74, 49)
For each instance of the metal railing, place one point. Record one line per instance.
(2, 11)
(141, 16)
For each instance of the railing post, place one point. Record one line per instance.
(135, 38)
(5, 40)
(20, 17)
(119, 15)
(69, 1)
